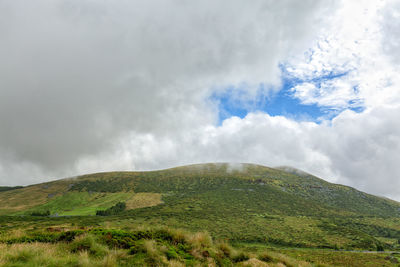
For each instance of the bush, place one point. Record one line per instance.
(178, 236)
(8, 188)
(138, 247)
(266, 257)
(226, 250)
(200, 240)
(41, 213)
(241, 256)
(114, 210)
(69, 235)
(154, 257)
(88, 243)
(171, 253)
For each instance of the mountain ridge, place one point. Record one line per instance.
(240, 202)
(296, 181)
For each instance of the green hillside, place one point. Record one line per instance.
(238, 203)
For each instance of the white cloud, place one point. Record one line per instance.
(351, 46)
(357, 149)
(361, 42)
(390, 18)
(363, 149)
(258, 138)
(77, 76)
(95, 86)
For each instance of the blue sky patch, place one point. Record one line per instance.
(236, 101)
(281, 103)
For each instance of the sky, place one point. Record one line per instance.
(89, 86)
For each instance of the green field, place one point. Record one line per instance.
(81, 203)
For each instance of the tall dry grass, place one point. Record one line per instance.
(178, 249)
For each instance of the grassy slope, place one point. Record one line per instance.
(30, 196)
(82, 203)
(245, 203)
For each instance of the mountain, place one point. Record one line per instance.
(237, 202)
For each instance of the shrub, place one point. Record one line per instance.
(154, 257)
(8, 188)
(114, 210)
(41, 213)
(200, 240)
(225, 249)
(138, 247)
(88, 243)
(266, 257)
(70, 235)
(171, 253)
(240, 256)
(178, 236)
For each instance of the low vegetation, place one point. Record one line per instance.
(240, 209)
(41, 213)
(143, 200)
(159, 247)
(102, 247)
(8, 188)
(74, 203)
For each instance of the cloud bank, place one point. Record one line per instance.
(91, 86)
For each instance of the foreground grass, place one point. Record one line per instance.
(101, 247)
(328, 257)
(161, 247)
(39, 254)
(343, 258)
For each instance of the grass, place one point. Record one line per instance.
(324, 257)
(164, 247)
(342, 258)
(142, 200)
(102, 247)
(251, 205)
(87, 203)
(13, 201)
(39, 254)
(81, 203)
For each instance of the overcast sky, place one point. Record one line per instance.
(88, 86)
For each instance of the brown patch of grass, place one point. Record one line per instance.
(154, 256)
(3, 248)
(111, 258)
(253, 263)
(339, 258)
(174, 263)
(200, 240)
(277, 259)
(15, 233)
(26, 253)
(31, 196)
(46, 254)
(142, 200)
